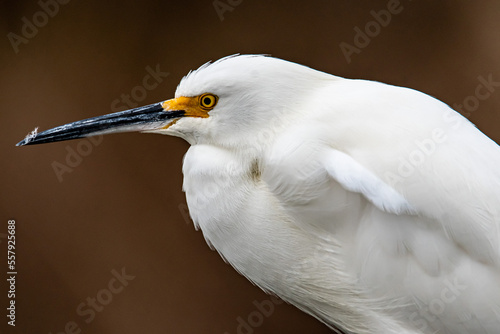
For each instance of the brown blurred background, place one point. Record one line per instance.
(121, 206)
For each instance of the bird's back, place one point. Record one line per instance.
(437, 267)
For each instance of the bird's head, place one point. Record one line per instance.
(230, 102)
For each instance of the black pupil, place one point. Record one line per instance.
(207, 101)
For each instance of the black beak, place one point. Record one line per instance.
(145, 118)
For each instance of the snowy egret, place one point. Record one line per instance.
(374, 208)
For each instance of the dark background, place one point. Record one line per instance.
(121, 206)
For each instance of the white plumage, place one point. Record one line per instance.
(301, 181)
(372, 207)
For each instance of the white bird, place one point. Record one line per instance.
(374, 208)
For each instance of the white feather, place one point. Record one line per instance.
(372, 207)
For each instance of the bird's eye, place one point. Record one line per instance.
(208, 101)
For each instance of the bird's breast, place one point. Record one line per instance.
(242, 217)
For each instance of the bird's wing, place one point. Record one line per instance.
(434, 180)
(441, 166)
(448, 269)
(352, 176)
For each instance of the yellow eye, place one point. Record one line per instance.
(208, 101)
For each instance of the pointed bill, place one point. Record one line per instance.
(144, 118)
